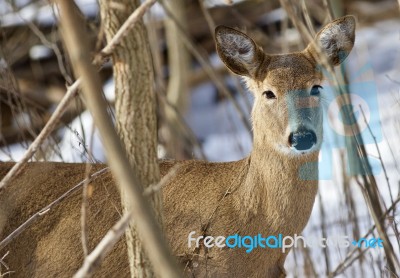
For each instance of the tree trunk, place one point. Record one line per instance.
(135, 113)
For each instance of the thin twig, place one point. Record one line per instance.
(150, 190)
(84, 206)
(328, 8)
(345, 263)
(54, 47)
(94, 259)
(161, 90)
(307, 18)
(398, 2)
(323, 231)
(46, 131)
(211, 25)
(44, 40)
(379, 153)
(351, 261)
(47, 208)
(383, 167)
(127, 26)
(3, 263)
(186, 128)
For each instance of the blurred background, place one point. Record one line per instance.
(204, 111)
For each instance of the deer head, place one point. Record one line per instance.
(287, 111)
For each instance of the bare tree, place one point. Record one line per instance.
(135, 113)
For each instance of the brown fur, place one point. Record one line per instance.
(262, 193)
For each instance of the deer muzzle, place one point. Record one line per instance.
(302, 140)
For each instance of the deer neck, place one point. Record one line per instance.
(276, 190)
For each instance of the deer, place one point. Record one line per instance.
(269, 192)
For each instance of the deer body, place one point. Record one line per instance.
(245, 200)
(270, 192)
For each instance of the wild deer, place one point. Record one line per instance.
(270, 192)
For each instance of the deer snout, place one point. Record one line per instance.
(302, 139)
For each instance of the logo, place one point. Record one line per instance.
(368, 243)
(359, 110)
(350, 110)
(284, 243)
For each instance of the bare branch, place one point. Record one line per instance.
(46, 131)
(94, 259)
(148, 191)
(127, 26)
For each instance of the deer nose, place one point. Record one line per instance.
(302, 140)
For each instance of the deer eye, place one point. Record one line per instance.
(269, 95)
(315, 91)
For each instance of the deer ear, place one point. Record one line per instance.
(336, 39)
(238, 51)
